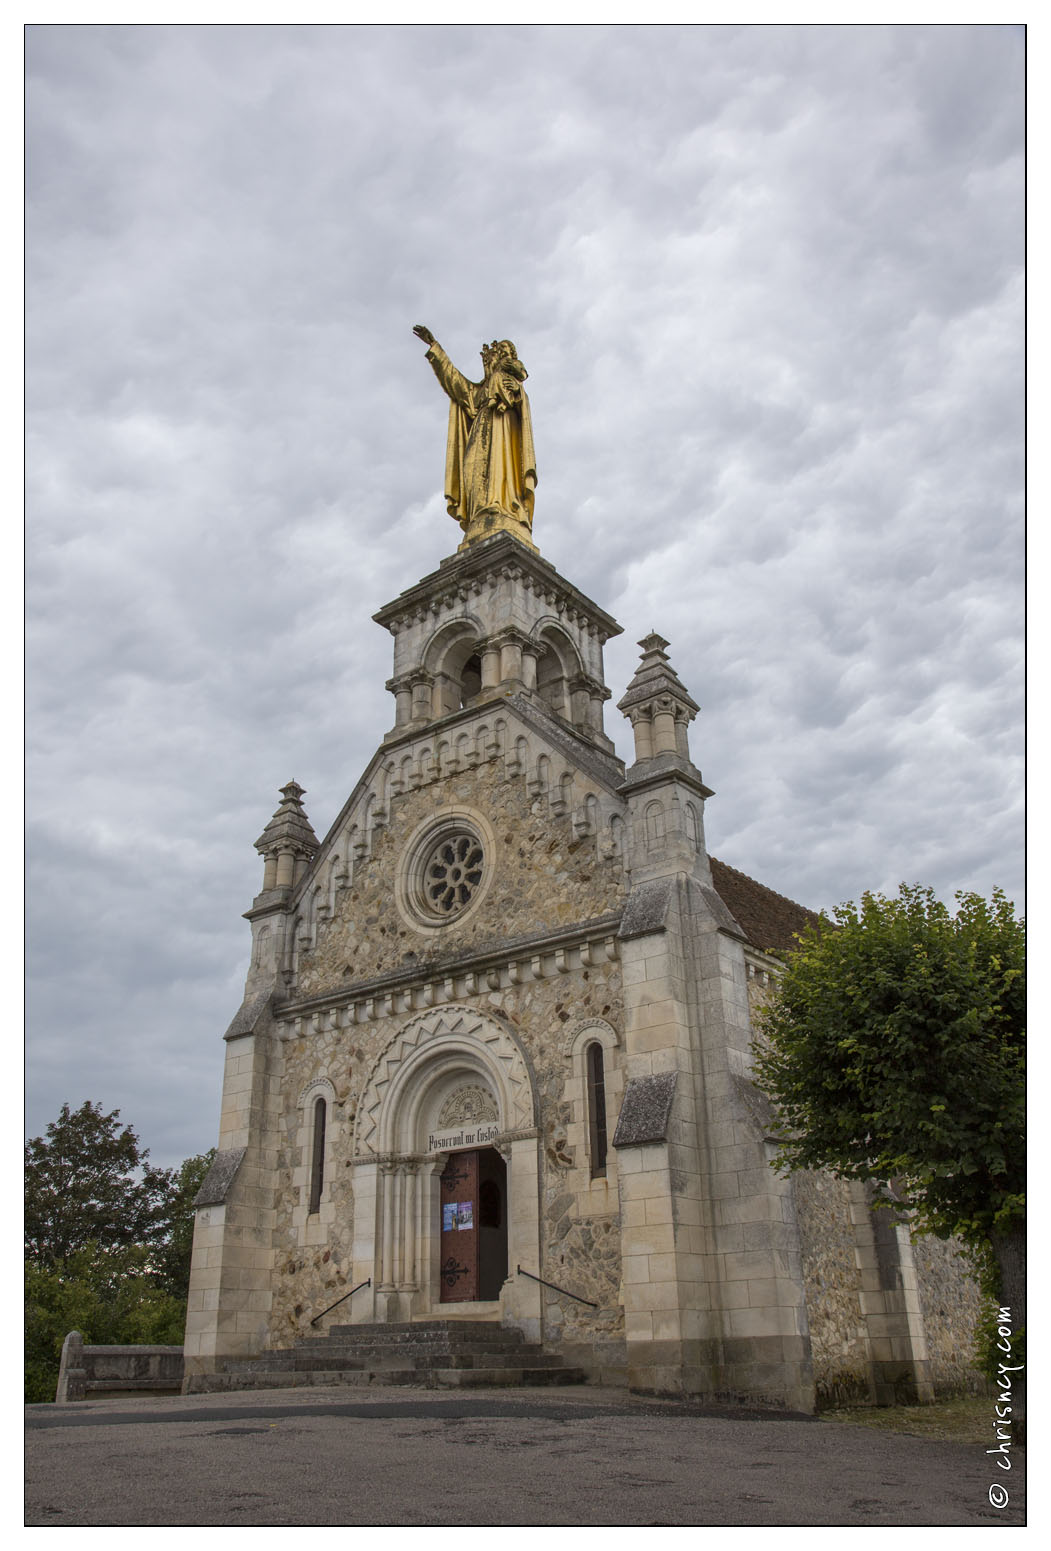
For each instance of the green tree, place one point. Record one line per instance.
(107, 1240)
(894, 1051)
(89, 1182)
(112, 1298)
(173, 1259)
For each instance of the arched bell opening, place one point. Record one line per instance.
(558, 668)
(454, 662)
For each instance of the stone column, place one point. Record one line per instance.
(445, 695)
(490, 665)
(530, 656)
(388, 1187)
(664, 726)
(421, 697)
(401, 689)
(396, 1274)
(580, 702)
(510, 658)
(642, 727)
(407, 1281)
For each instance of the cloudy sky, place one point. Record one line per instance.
(767, 284)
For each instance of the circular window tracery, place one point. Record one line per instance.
(445, 871)
(453, 872)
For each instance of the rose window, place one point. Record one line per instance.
(452, 873)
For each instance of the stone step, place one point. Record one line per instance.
(516, 1358)
(315, 1360)
(423, 1333)
(423, 1326)
(325, 1348)
(431, 1353)
(434, 1378)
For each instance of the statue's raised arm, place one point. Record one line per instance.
(490, 465)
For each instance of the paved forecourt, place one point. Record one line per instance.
(504, 1457)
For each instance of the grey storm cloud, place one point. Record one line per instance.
(767, 282)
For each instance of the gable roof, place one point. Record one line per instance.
(769, 921)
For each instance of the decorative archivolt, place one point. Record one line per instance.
(551, 633)
(435, 1041)
(451, 645)
(317, 1088)
(584, 1030)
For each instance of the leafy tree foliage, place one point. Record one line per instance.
(894, 1050)
(113, 1300)
(89, 1182)
(173, 1260)
(107, 1239)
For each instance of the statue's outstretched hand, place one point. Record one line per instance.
(422, 332)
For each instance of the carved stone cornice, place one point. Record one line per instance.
(515, 962)
(500, 558)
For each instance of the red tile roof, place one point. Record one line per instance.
(768, 920)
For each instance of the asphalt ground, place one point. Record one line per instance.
(390, 1456)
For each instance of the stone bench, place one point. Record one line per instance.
(105, 1370)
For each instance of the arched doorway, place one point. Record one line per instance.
(446, 1172)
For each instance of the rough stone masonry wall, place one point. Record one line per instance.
(951, 1304)
(581, 1231)
(832, 1283)
(544, 878)
(949, 1296)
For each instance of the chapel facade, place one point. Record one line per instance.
(493, 1058)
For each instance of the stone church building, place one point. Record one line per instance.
(492, 1062)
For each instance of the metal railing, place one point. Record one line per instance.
(564, 1290)
(366, 1283)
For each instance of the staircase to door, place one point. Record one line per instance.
(432, 1354)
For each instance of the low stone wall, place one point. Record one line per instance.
(109, 1370)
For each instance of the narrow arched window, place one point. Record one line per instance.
(317, 1156)
(596, 1109)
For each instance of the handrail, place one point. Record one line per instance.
(366, 1283)
(553, 1288)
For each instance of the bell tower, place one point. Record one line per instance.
(497, 621)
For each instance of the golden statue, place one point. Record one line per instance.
(490, 465)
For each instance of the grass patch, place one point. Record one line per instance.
(965, 1419)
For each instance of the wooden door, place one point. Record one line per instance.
(459, 1241)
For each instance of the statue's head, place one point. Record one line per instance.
(498, 356)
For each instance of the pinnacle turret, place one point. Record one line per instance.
(657, 703)
(288, 843)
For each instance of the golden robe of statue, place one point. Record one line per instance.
(490, 465)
